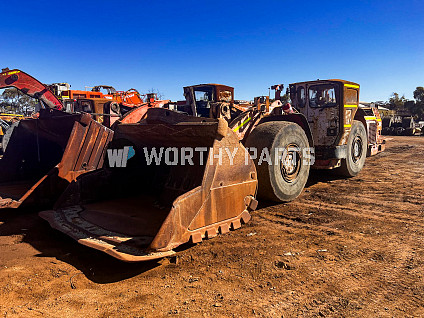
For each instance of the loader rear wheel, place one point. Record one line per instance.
(356, 151)
(282, 177)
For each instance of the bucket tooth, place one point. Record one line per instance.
(224, 228)
(245, 217)
(236, 224)
(211, 232)
(196, 238)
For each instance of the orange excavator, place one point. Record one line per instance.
(105, 103)
(130, 98)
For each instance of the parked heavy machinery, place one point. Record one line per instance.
(123, 99)
(45, 154)
(126, 99)
(145, 206)
(108, 107)
(408, 124)
(398, 125)
(376, 142)
(327, 111)
(130, 98)
(419, 128)
(108, 112)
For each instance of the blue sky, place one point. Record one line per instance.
(246, 44)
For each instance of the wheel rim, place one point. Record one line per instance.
(291, 163)
(356, 149)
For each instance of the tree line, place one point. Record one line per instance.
(14, 101)
(415, 107)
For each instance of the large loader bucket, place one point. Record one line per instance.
(45, 154)
(142, 210)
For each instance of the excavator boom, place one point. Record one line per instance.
(30, 86)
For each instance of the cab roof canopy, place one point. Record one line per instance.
(327, 80)
(219, 86)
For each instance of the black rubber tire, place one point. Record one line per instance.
(273, 135)
(400, 131)
(349, 166)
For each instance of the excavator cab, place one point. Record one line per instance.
(108, 90)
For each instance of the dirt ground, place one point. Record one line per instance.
(344, 248)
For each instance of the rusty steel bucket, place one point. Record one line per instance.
(142, 210)
(45, 154)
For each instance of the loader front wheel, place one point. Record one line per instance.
(281, 167)
(356, 151)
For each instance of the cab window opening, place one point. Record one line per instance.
(322, 96)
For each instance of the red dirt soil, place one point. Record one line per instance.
(344, 248)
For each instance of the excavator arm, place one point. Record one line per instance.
(30, 86)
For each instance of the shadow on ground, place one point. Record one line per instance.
(96, 266)
(315, 176)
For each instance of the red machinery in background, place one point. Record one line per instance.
(47, 152)
(105, 103)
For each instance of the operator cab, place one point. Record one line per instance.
(104, 89)
(329, 106)
(201, 98)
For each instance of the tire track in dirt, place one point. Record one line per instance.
(364, 212)
(344, 248)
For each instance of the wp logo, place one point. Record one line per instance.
(118, 157)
